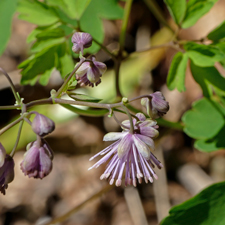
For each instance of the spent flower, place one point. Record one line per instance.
(80, 41)
(131, 153)
(6, 173)
(37, 160)
(42, 125)
(89, 73)
(156, 105)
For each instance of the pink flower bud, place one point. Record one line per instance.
(89, 73)
(42, 125)
(80, 41)
(156, 105)
(37, 160)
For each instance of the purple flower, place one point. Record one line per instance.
(130, 153)
(37, 160)
(42, 125)
(89, 73)
(156, 105)
(6, 173)
(80, 41)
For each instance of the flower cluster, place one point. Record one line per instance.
(37, 160)
(132, 153)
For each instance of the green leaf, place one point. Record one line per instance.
(204, 121)
(38, 63)
(46, 43)
(176, 75)
(87, 112)
(7, 9)
(44, 78)
(77, 8)
(203, 55)
(177, 9)
(206, 208)
(208, 77)
(99, 9)
(65, 61)
(82, 97)
(218, 141)
(217, 33)
(36, 12)
(195, 10)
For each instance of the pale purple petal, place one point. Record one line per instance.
(147, 140)
(113, 136)
(141, 147)
(124, 145)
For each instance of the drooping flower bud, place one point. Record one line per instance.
(156, 105)
(42, 125)
(2, 155)
(37, 160)
(6, 173)
(89, 73)
(80, 41)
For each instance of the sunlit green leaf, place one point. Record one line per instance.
(208, 78)
(177, 9)
(218, 33)
(204, 120)
(195, 10)
(7, 9)
(176, 75)
(44, 78)
(36, 12)
(206, 208)
(203, 55)
(99, 9)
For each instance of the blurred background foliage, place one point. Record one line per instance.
(177, 47)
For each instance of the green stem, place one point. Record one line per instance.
(157, 12)
(39, 102)
(4, 129)
(7, 107)
(17, 139)
(117, 74)
(61, 89)
(130, 119)
(80, 206)
(104, 48)
(11, 85)
(124, 24)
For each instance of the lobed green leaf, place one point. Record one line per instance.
(218, 33)
(177, 9)
(176, 75)
(203, 121)
(7, 9)
(195, 10)
(203, 55)
(208, 78)
(206, 208)
(36, 12)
